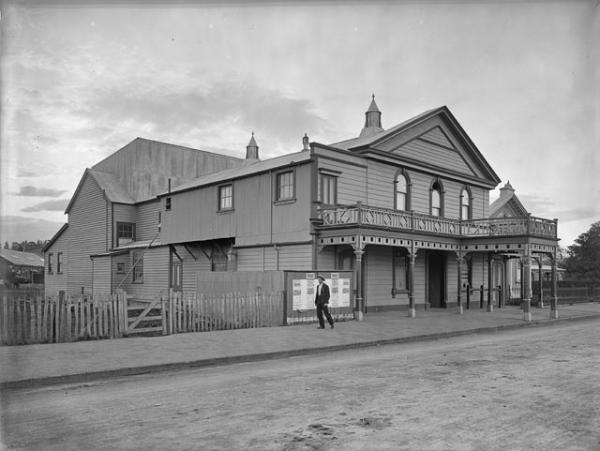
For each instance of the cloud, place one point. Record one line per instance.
(20, 228)
(248, 106)
(33, 191)
(49, 205)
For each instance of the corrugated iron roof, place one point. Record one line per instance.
(366, 140)
(252, 167)
(22, 258)
(138, 245)
(113, 188)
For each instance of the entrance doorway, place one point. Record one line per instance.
(436, 264)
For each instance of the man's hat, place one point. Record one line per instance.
(321, 277)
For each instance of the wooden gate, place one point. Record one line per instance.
(145, 316)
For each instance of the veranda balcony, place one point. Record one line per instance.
(362, 215)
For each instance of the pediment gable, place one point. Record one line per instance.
(434, 144)
(434, 140)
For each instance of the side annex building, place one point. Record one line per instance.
(407, 209)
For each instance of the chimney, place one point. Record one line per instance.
(252, 149)
(305, 145)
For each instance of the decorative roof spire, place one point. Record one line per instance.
(305, 145)
(506, 190)
(372, 120)
(252, 149)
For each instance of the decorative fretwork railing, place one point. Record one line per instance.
(405, 220)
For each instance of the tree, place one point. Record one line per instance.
(583, 257)
(6, 246)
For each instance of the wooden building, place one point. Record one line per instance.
(406, 208)
(20, 268)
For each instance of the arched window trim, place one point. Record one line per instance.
(460, 205)
(441, 192)
(403, 173)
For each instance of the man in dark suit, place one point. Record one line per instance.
(322, 303)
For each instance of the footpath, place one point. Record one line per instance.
(84, 361)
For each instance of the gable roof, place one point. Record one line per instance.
(21, 258)
(55, 237)
(509, 203)
(109, 183)
(370, 143)
(252, 167)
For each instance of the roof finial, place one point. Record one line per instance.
(372, 120)
(252, 149)
(305, 145)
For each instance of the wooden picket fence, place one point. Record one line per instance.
(207, 312)
(61, 319)
(29, 320)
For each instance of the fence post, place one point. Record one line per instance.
(163, 310)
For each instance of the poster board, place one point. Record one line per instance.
(302, 289)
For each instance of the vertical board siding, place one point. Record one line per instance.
(87, 234)
(255, 217)
(290, 220)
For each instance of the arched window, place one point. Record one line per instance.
(401, 188)
(465, 204)
(436, 199)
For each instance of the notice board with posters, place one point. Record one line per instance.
(302, 288)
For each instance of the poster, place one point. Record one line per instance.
(304, 291)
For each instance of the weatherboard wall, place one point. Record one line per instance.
(87, 235)
(256, 216)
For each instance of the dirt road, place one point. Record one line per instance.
(527, 389)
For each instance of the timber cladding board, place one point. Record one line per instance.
(352, 181)
(55, 282)
(102, 272)
(255, 218)
(155, 274)
(380, 184)
(381, 188)
(147, 219)
(378, 275)
(87, 234)
(419, 142)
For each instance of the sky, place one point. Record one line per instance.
(81, 80)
